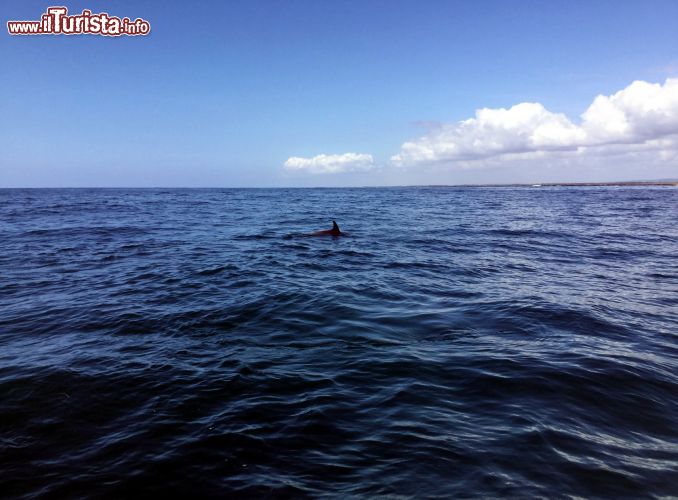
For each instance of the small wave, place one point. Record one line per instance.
(254, 237)
(413, 265)
(216, 270)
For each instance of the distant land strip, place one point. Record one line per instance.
(570, 184)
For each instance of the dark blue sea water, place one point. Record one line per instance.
(458, 342)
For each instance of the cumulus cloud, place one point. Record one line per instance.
(641, 117)
(330, 164)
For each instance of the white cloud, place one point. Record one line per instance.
(643, 117)
(330, 164)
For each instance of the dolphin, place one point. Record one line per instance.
(329, 232)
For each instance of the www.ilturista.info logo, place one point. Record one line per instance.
(56, 21)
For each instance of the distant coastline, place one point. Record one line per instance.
(667, 182)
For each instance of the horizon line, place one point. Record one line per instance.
(653, 182)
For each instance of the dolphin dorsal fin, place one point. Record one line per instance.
(334, 226)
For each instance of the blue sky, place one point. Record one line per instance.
(225, 93)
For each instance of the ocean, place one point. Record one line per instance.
(456, 342)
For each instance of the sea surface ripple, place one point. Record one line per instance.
(458, 342)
